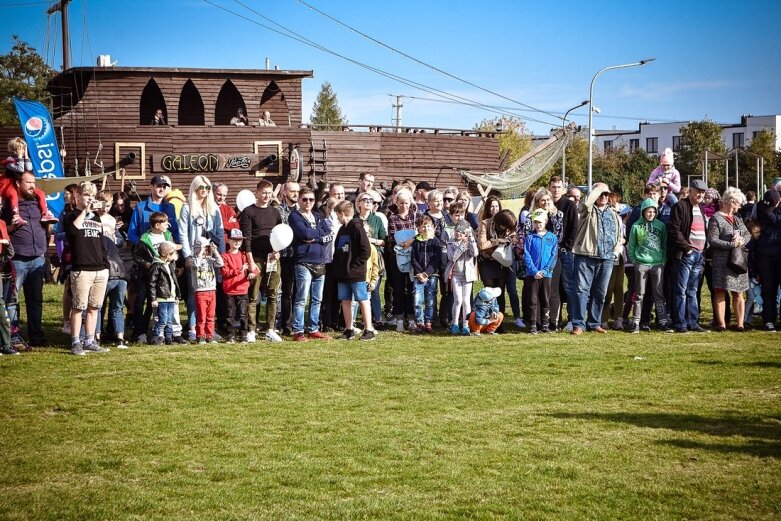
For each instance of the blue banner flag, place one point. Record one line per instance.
(41, 138)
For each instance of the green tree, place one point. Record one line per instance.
(577, 163)
(696, 138)
(513, 139)
(764, 145)
(23, 73)
(326, 111)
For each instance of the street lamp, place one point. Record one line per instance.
(564, 153)
(590, 105)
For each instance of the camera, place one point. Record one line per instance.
(97, 205)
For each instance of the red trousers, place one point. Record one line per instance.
(205, 306)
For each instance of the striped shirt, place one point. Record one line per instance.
(697, 235)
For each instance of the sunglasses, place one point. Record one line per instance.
(448, 199)
(367, 200)
(664, 188)
(205, 187)
(307, 199)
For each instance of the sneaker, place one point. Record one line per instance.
(251, 337)
(121, 344)
(17, 220)
(272, 336)
(217, 336)
(77, 349)
(519, 323)
(683, 331)
(230, 339)
(156, 341)
(300, 337)
(400, 326)
(455, 330)
(568, 327)
(141, 339)
(618, 324)
(545, 329)
(390, 321)
(533, 330)
(48, 218)
(317, 335)
(213, 340)
(368, 335)
(66, 328)
(94, 347)
(9, 351)
(700, 329)
(348, 334)
(635, 328)
(427, 328)
(191, 336)
(465, 331)
(770, 328)
(475, 333)
(666, 328)
(201, 341)
(645, 328)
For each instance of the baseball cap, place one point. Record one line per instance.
(236, 235)
(539, 215)
(161, 180)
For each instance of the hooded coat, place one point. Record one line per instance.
(648, 239)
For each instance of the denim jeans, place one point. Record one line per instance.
(29, 277)
(115, 291)
(567, 260)
(376, 304)
(425, 294)
(686, 312)
(591, 278)
(304, 283)
(165, 319)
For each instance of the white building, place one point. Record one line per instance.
(655, 137)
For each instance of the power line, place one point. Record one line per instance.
(421, 62)
(302, 39)
(24, 4)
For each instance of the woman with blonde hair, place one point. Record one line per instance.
(200, 217)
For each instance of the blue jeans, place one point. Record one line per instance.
(165, 319)
(305, 281)
(376, 304)
(686, 312)
(591, 279)
(115, 291)
(29, 277)
(425, 294)
(567, 259)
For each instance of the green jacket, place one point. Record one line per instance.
(648, 240)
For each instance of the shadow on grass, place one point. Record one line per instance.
(764, 434)
(765, 364)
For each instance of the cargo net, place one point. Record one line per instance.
(520, 175)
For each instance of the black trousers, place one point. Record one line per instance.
(236, 311)
(288, 283)
(770, 276)
(539, 300)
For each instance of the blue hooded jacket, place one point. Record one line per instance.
(539, 254)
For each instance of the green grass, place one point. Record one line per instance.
(547, 427)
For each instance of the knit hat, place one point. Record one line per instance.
(667, 157)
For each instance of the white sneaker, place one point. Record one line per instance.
(66, 328)
(251, 336)
(568, 327)
(400, 327)
(121, 344)
(272, 336)
(519, 323)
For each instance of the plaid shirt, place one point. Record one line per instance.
(397, 223)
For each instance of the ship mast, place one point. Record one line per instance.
(62, 6)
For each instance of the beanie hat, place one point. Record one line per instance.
(667, 157)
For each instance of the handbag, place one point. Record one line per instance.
(738, 260)
(503, 254)
(317, 270)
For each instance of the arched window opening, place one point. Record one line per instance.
(190, 105)
(152, 100)
(273, 100)
(229, 101)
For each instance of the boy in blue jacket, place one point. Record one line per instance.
(539, 259)
(426, 263)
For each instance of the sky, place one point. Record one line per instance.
(714, 59)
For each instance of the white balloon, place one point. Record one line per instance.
(281, 237)
(244, 199)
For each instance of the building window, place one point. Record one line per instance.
(608, 146)
(652, 145)
(634, 145)
(737, 140)
(676, 143)
(754, 134)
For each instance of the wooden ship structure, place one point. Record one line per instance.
(103, 116)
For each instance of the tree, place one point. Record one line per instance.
(764, 145)
(23, 73)
(326, 111)
(514, 138)
(696, 138)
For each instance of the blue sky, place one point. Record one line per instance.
(714, 59)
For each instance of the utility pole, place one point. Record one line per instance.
(398, 106)
(62, 6)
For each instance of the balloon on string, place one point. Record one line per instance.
(281, 237)
(244, 199)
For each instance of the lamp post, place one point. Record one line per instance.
(564, 153)
(590, 105)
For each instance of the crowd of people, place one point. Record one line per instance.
(406, 260)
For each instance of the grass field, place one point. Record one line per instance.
(615, 426)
